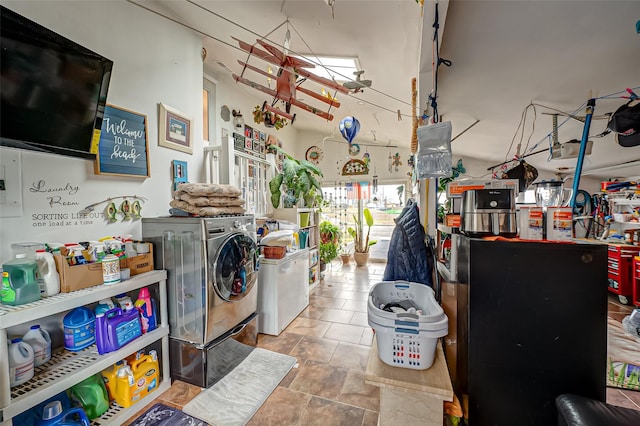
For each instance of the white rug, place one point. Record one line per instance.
(236, 398)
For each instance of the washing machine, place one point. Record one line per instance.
(212, 274)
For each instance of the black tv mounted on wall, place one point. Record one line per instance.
(53, 90)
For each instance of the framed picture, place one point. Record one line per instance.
(180, 174)
(123, 149)
(263, 137)
(248, 132)
(175, 129)
(256, 134)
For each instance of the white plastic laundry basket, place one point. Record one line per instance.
(406, 339)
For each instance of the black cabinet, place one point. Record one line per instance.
(532, 324)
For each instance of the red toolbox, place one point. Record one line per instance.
(620, 270)
(635, 280)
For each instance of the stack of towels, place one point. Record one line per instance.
(208, 199)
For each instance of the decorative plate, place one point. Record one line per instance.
(314, 154)
(354, 149)
(354, 167)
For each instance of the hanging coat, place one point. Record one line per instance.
(408, 257)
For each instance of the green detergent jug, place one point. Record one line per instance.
(19, 284)
(92, 395)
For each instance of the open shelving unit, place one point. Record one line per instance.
(294, 215)
(66, 368)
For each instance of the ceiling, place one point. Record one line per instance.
(505, 56)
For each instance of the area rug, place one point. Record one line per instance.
(235, 399)
(163, 415)
(623, 353)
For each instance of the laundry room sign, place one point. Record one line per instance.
(123, 148)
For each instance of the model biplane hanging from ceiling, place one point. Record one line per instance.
(291, 75)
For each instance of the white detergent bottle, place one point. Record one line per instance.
(40, 341)
(48, 278)
(20, 362)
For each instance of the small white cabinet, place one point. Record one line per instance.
(297, 215)
(68, 368)
(283, 291)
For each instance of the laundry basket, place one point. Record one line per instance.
(406, 339)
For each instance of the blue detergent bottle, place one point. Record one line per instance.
(53, 415)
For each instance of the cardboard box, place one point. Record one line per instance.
(139, 264)
(77, 277)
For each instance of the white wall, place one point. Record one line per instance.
(155, 60)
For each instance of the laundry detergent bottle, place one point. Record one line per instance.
(92, 394)
(54, 415)
(147, 307)
(19, 284)
(48, 278)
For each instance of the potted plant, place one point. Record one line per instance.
(329, 242)
(296, 178)
(345, 253)
(360, 240)
(270, 120)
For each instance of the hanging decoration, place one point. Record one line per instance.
(354, 167)
(354, 149)
(313, 154)
(396, 161)
(349, 128)
(366, 158)
(390, 163)
(129, 209)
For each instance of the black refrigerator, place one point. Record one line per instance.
(532, 324)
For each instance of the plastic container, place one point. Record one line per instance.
(54, 415)
(79, 329)
(124, 301)
(20, 362)
(145, 375)
(109, 378)
(92, 394)
(116, 328)
(48, 278)
(19, 284)
(124, 384)
(147, 308)
(40, 341)
(110, 269)
(406, 339)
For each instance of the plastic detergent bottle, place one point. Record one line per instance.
(48, 278)
(54, 415)
(19, 285)
(79, 329)
(92, 394)
(145, 374)
(124, 301)
(20, 362)
(109, 378)
(124, 384)
(115, 328)
(147, 307)
(40, 341)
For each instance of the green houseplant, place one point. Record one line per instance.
(329, 241)
(360, 239)
(297, 178)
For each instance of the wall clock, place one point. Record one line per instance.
(313, 154)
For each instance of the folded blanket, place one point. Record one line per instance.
(206, 211)
(209, 189)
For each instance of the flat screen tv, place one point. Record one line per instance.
(53, 90)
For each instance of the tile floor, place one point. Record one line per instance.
(331, 340)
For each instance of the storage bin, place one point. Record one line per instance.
(406, 339)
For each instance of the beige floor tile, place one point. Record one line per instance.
(344, 333)
(315, 349)
(356, 392)
(349, 355)
(355, 305)
(282, 343)
(322, 412)
(319, 379)
(308, 327)
(326, 302)
(360, 318)
(336, 315)
(283, 407)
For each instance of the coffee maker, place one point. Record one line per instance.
(488, 212)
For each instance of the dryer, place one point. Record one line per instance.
(212, 272)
